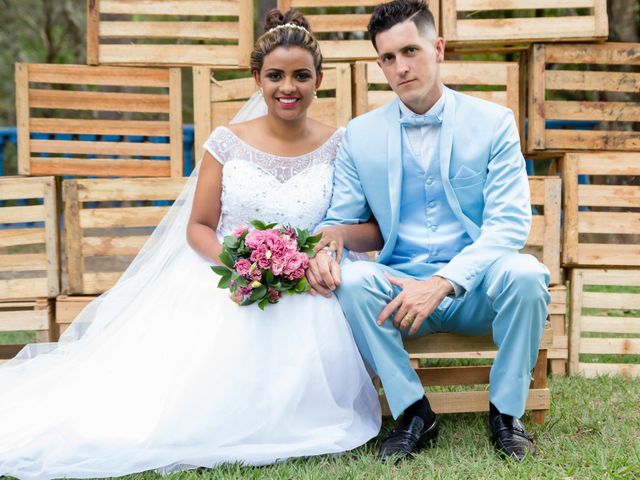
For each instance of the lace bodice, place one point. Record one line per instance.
(258, 185)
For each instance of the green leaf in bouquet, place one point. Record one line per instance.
(263, 303)
(302, 285)
(313, 240)
(258, 293)
(225, 281)
(220, 270)
(271, 225)
(227, 259)
(231, 241)
(309, 251)
(248, 301)
(241, 282)
(268, 276)
(258, 225)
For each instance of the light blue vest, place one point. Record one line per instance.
(429, 233)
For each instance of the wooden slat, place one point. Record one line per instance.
(175, 116)
(536, 234)
(52, 247)
(122, 217)
(603, 254)
(73, 236)
(536, 98)
(592, 140)
(100, 281)
(613, 300)
(591, 370)
(592, 81)
(30, 213)
(78, 147)
(22, 117)
(611, 277)
(471, 375)
(609, 222)
(179, 55)
(68, 308)
(170, 7)
(615, 53)
(10, 237)
(100, 127)
(102, 101)
(245, 27)
(592, 323)
(609, 196)
(575, 325)
(16, 188)
(20, 320)
(478, 401)
(327, 3)
(105, 246)
(93, 26)
(611, 346)
(99, 167)
(354, 22)
(118, 189)
(346, 50)
(595, 111)
(483, 5)
(607, 163)
(23, 288)
(167, 29)
(202, 90)
(102, 75)
(9, 351)
(23, 262)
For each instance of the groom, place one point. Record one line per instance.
(443, 175)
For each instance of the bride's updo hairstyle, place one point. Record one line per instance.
(290, 29)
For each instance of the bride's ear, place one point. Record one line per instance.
(319, 80)
(256, 77)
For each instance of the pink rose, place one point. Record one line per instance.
(242, 267)
(273, 295)
(239, 231)
(256, 274)
(254, 239)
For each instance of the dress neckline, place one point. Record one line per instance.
(295, 157)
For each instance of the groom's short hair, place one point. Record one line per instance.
(386, 15)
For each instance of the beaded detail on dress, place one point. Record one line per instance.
(275, 189)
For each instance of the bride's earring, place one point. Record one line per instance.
(260, 91)
(315, 94)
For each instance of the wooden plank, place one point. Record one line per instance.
(99, 167)
(52, 247)
(575, 325)
(326, 3)
(102, 101)
(607, 163)
(609, 222)
(73, 236)
(346, 50)
(30, 213)
(77, 147)
(552, 219)
(15, 188)
(10, 351)
(117, 189)
(360, 88)
(609, 196)
(102, 75)
(478, 401)
(122, 217)
(340, 22)
(177, 55)
(595, 111)
(611, 346)
(23, 288)
(573, 80)
(604, 324)
(183, 30)
(23, 262)
(436, 376)
(592, 140)
(68, 308)
(536, 98)
(614, 53)
(245, 27)
(569, 166)
(611, 277)
(100, 127)
(98, 282)
(20, 320)
(343, 95)
(10, 237)
(106, 246)
(170, 7)
(22, 117)
(202, 89)
(93, 31)
(536, 234)
(175, 117)
(591, 370)
(611, 300)
(604, 254)
(483, 5)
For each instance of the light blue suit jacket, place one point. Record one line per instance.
(483, 173)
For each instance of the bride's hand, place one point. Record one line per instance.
(332, 240)
(323, 274)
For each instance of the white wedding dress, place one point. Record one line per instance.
(165, 372)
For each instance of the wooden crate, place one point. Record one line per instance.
(29, 261)
(591, 73)
(68, 308)
(559, 351)
(493, 81)
(449, 345)
(343, 33)
(508, 22)
(25, 316)
(601, 221)
(169, 32)
(65, 114)
(101, 240)
(607, 323)
(544, 237)
(216, 102)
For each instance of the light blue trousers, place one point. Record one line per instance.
(510, 302)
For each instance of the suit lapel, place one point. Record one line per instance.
(394, 168)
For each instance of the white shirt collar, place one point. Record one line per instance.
(436, 109)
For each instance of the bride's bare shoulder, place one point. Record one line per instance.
(245, 129)
(322, 131)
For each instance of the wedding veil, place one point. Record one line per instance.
(165, 243)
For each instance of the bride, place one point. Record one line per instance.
(164, 371)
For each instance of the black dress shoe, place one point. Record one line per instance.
(510, 438)
(408, 437)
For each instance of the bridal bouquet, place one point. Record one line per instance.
(263, 263)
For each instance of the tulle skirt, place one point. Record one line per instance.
(178, 376)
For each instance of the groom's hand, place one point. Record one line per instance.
(333, 239)
(417, 300)
(323, 273)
